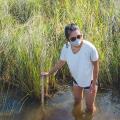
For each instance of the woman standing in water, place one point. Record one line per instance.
(82, 59)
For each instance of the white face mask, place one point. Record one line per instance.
(76, 42)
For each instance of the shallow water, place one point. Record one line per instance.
(61, 105)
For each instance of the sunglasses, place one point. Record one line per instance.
(74, 38)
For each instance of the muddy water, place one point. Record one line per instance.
(61, 105)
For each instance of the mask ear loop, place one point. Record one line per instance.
(67, 43)
(82, 36)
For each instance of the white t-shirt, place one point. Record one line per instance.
(80, 64)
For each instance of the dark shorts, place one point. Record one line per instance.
(88, 87)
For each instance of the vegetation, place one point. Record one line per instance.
(32, 35)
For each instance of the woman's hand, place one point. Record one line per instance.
(93, 88)
(44, 74)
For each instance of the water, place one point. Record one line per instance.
(60, 108)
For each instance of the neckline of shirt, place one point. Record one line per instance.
(79, 49)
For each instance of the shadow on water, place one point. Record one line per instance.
(61, 105)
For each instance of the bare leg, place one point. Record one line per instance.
(78, 95)
(90, 100)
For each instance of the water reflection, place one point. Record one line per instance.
(80, 115)
(60, 107)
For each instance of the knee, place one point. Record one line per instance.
(91, 108)
(77, 101)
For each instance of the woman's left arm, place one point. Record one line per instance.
(93, 86)
(95, 71)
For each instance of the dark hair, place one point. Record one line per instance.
(70, 28)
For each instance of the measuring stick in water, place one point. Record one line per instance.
(42, 90)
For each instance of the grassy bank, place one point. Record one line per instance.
(31, 37)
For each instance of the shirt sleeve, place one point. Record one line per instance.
(94, 54)
(63, 53)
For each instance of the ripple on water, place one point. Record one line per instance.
(61, 105)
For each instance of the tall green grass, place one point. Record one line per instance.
(31, 37)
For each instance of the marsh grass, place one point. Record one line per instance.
(31, 37)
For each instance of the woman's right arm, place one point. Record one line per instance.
(56, 67)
